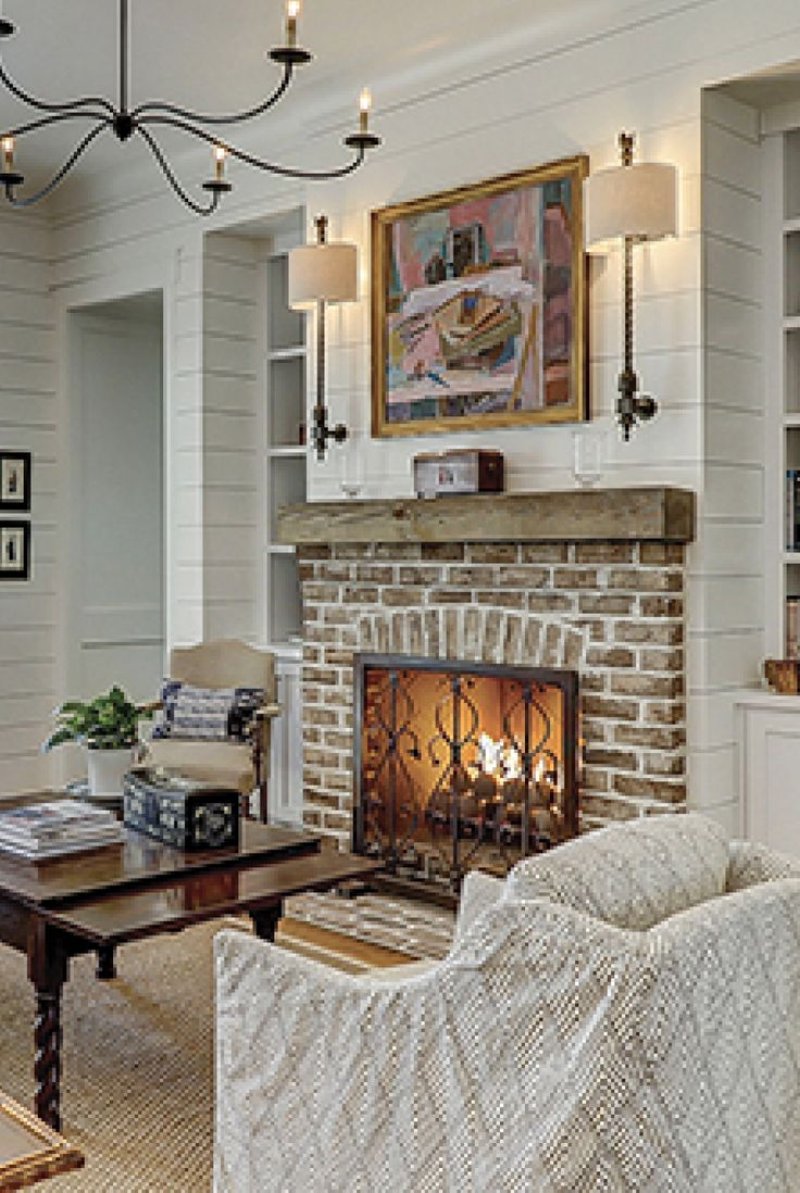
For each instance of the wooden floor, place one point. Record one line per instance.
(334, 948)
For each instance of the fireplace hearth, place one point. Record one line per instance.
(461, 764)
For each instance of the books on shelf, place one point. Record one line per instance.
(792, 532)
(57, 827)
(792, 627)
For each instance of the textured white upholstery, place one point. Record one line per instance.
(632, 877)
(551, 1051)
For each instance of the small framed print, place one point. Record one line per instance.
(15, 550)
(15, 481)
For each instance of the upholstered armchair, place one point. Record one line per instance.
(218, 705)
(621, 1014)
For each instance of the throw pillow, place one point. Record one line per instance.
(207, 714)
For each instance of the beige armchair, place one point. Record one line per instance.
(225, 663)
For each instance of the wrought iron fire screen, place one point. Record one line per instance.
(462, 764)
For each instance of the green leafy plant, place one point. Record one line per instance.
(109, 722)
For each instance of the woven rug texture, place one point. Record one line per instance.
(419, 930)
(137, 1063)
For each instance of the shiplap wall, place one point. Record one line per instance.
(566, 90)
(233, 352)
(726, 570)
(29, 612)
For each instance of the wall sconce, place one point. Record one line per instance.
(634, 202)
(320, 274)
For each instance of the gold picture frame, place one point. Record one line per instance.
(479, 305)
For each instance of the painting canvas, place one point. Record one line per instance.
(479, 303)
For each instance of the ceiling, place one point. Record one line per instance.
(211, 55)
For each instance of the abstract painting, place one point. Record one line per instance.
(479, 305)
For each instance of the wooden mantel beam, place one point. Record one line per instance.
(646, 514)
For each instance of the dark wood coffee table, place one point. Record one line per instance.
(98, 900)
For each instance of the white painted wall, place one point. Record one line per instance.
(726, 572)
(29, 612)
(232, 434)
(561, 89)
(115, 537)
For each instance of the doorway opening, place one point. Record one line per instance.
(115, 541)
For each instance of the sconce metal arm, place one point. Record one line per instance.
(321, 432)
(630, 404)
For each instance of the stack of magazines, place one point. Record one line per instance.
(39, 831)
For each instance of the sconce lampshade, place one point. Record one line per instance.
(637, 200)
(322, 273)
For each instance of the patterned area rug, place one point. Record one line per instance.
(416, 929)
(137, 1077)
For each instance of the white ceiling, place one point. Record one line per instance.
(210, 53)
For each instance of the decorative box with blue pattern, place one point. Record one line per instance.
(182, 812)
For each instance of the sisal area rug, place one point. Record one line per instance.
(417, 930)
(137, 1081)
(137, 1089)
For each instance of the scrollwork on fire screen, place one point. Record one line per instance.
(460, 770)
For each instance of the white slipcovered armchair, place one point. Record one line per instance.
(622, 1014)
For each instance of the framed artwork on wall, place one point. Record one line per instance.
(479, 305)
(15, 481)
(15, 550)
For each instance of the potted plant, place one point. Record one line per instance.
(108, 727)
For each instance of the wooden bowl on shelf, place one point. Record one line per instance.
(782, 675)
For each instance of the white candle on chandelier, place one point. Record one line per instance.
(364, 105)
(8, 145)
(220, 155)
(292, 13)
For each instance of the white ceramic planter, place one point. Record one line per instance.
(106, 770)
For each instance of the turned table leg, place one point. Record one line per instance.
(47, 969)
(47, 1057)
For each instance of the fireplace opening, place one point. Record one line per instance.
(461, 765)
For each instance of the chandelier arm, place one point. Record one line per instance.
(48, 105)
(77, 153)
(154, 106)
(171, 178)
(57, 118)
(248, 158)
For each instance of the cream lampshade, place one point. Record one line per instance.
(639, 200)
(632, 202)
(322, 273)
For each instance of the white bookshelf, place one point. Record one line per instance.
(286, 453)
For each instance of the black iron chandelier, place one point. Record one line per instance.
(126, 122)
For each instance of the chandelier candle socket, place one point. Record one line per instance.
(365, 104)
(126, 122)
(292, 13)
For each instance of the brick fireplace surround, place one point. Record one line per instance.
(590, 580)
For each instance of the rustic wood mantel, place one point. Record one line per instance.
(647, 514)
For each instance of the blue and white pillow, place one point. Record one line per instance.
(207, 714)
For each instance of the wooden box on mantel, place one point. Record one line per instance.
(463, 470)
